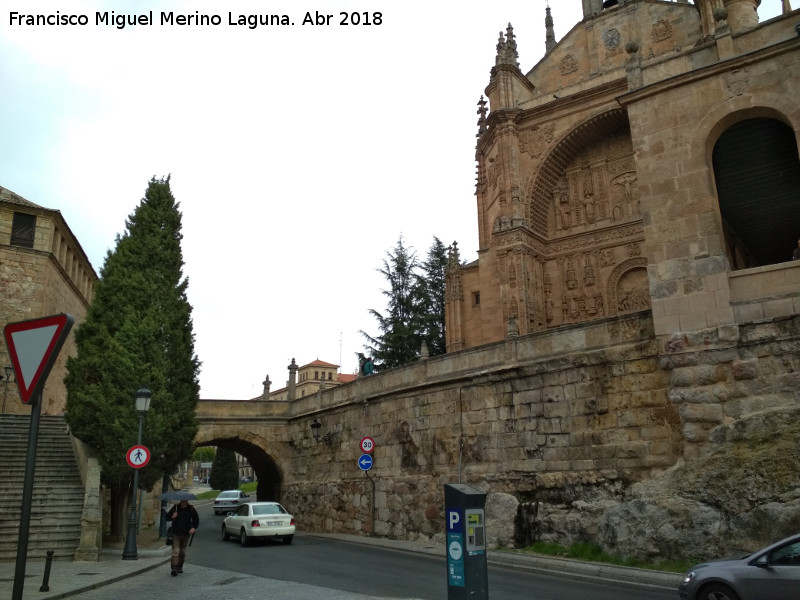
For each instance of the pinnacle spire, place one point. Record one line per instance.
(550, 36)
(507, 48)
(481, 116)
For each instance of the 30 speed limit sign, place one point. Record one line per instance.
(367, 445)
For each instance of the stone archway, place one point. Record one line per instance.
(268, 474)
(757, 175)
(539, 189)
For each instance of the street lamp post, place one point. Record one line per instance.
(142, 406)
(9, 372)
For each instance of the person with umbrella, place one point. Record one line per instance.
(185, 522)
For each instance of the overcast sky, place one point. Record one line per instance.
(298, 154)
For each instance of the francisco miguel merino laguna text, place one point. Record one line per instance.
(120, 21)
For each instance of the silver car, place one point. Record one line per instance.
(259, 520)
(772, 573)
(229, 500)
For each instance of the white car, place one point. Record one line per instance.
(263, 520)
(229, 500)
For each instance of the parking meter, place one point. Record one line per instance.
(467, 576)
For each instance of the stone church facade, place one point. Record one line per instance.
(607, 175)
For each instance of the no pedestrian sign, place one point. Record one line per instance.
(138, 456)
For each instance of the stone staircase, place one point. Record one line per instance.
(58, 491)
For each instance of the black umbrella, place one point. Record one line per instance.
(177, 495)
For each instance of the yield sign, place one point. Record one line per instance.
(33, 347)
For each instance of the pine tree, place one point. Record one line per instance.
(400, 335)
(431, 294)
(224, 471)
(138, 331)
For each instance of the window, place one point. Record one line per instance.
(476, 298)
(23, 230)
(330, 377)
(757, 172)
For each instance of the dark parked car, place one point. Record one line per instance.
(772, 573)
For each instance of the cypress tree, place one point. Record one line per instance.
(138, 331)
(224, 471)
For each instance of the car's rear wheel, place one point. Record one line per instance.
(244, 540)
(287, 539)
(225, 535)
(717, 591)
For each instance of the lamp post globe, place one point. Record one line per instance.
(142, 406)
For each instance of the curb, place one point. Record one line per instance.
(546, 565)
(587, 570)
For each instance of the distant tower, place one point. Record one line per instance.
(550, 36)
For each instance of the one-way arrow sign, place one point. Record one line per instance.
(365, 462)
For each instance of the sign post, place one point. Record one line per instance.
(33, 347)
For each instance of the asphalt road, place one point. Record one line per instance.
(374, 571)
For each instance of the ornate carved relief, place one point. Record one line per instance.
(625, 199)
(737, 81)
(588, 270)
(535, 141)
(662, 30)
(606, 257)
(587, 195)
(611, 38)
(562, 206)
(597, 238)
(628, 287)
(493, 173)
(569, 64)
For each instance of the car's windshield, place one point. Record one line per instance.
(228, 495)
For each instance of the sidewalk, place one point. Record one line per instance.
(69, 578)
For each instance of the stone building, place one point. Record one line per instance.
(647, 162)
(623, 360)
(309, 379)
(43, 271)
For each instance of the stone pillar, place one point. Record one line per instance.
(266, 383)
(292, 380)
(742, 14)
(92, 517)
(633, 66)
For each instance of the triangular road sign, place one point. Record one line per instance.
(33, 347)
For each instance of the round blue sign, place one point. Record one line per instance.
(365, 462)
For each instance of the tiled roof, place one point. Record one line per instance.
(319, 363)
(9, 196)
